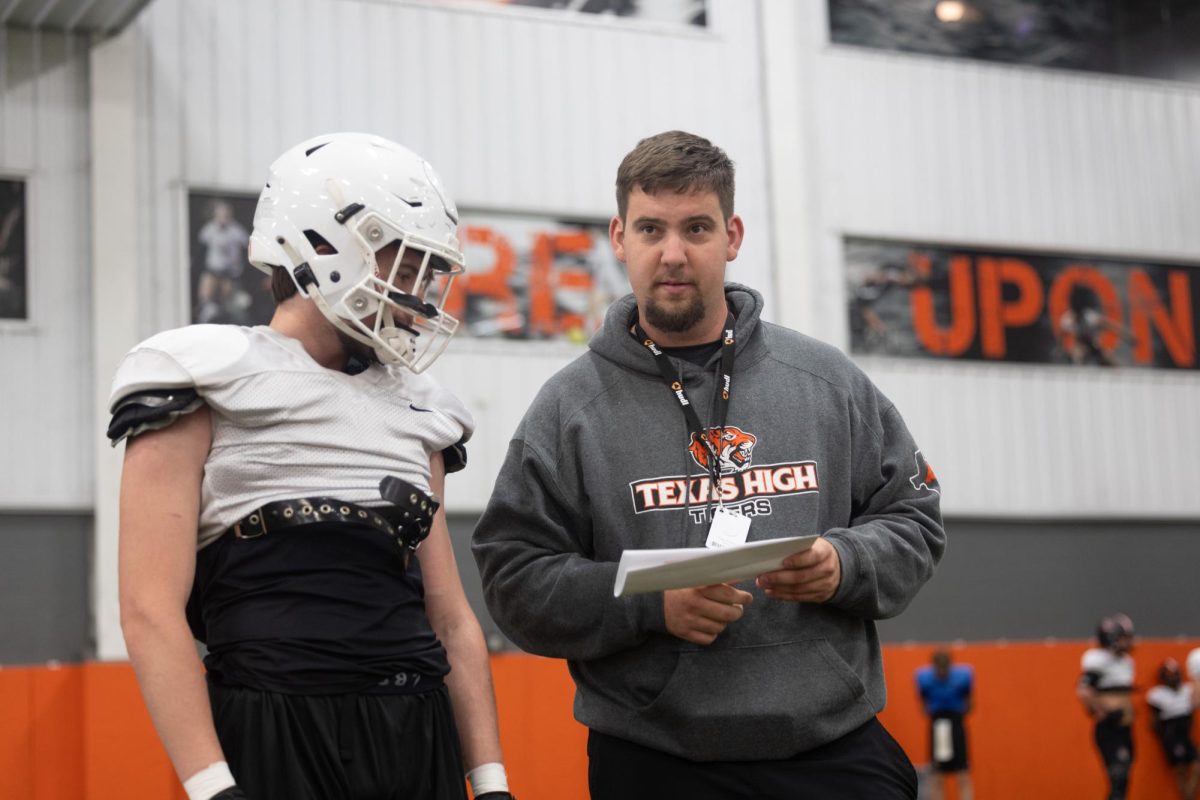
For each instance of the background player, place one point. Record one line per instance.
(946, 693)
(1172, 705)
(1106, 690)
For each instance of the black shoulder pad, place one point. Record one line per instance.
(455, 456)
(150, 410)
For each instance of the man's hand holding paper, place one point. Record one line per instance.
(810, 576)
(690, 567)
(699, 615)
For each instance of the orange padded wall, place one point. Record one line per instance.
(82, 733)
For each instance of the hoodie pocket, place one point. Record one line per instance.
(760, 702)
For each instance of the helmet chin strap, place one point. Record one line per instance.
(400, 338)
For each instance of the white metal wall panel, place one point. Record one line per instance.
(497, 388)
(962, 152)
(519, 109)
(1004, 155)
(116, 241)
(45, 411)
(162, 138)
(1058, 442)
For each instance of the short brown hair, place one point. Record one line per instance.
(282, 285)
(678, 161)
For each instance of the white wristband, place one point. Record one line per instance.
(488, 777)
(209, 781)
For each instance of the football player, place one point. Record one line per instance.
(1106, 690)
(280, 503)
(1172, 705)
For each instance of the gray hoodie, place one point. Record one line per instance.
(601, 463)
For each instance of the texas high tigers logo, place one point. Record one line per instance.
(733, 446)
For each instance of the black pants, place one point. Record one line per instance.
(865, 764)
(1176, 737)
(340, 747)
(1114, 740)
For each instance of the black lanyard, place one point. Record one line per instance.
(689, 412)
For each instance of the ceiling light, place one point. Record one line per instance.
(950, 10)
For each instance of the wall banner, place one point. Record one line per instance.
(534, 277)
(941, 301)
(14, 293)
(689, 12)
(528, 277)
(224, 287)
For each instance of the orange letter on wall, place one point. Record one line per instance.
(544, 279)
(495, 282)
(1176, 327)
(933, 337)
(995, 315)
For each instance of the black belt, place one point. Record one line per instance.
(407, 526)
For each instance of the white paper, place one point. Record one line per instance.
(682, 567)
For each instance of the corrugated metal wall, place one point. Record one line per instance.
(529, 110)
(927, 149)
(518, 109)
(45, 415)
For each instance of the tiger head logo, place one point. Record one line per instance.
(733, 446)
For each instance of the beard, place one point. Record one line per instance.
(677, 318)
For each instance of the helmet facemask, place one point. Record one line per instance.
(398, 306)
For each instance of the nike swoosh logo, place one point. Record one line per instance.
(423, 410)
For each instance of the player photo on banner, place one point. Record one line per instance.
(13, 276)
(224, 287)
(689, 12)
(535, 278)
(943, 301)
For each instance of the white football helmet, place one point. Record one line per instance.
(349, 195)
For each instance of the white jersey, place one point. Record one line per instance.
(1114, 671)
(1172, 703)
(284, 427)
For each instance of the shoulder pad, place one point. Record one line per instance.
(427, 392)
(150, 410)
(1095, 660)
(188, 357)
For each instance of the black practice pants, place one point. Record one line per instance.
(340, 747)
(865, 764)
(1114, 740)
